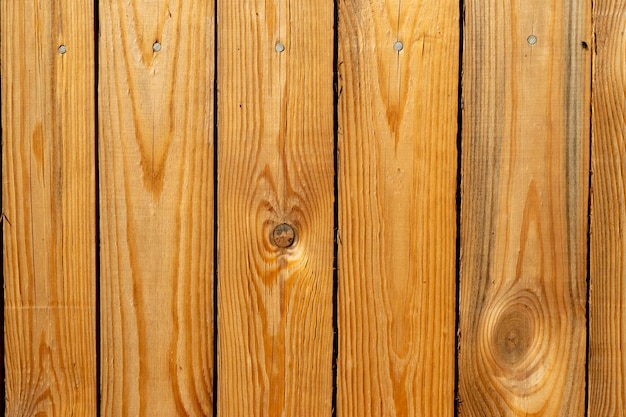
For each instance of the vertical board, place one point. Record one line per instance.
(48, 198)
(607, 321)
(156, 215)
(275, 166)
(397, 209)
(525, 148)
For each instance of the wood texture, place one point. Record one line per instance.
(275, 165)
(607, 322)
(524, 208)
(397, 228)
(156, 215)
(48, 203)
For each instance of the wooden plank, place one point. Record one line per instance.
(275, 166)
(397, 208)
(607, 321)
(156, 182)
(49, 207)
(525, 159)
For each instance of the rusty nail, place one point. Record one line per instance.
(283, 235)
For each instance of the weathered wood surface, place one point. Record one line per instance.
(397, 184)
(156, 211)
(48, 203)
(607, 321)
(525, 177)
(275, 165)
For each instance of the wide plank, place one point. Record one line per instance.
(275, 166)
(398, 104)
(525, 177)
(156, 207)
(49, 207)
(607, 306)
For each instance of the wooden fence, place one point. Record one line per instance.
(314, 207)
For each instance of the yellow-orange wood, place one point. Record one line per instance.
(156, 211)
(607, 321)
(275, 165)
(48, 203)
(525, 188)
(525, 173)
(397, 229)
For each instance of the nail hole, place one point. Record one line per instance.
(62, 49)
(532, 39)
(280, 47)
(398, 46)
(156, 47)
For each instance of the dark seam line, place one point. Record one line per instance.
(96, 8)
(335, 202)
(589, 218)
(215, 209)
(588, 282)
(459, 146)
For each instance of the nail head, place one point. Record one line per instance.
(532, 39)
(156, 47)
(283, 235)
(62, 49)
(280, 47)
(398, 46)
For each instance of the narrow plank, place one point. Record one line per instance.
(525, 168)
(156, 183)
(397, 207)
(275, 166)
(48, 198)
(607, 321)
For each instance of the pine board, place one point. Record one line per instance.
(275, 165)
(525, 176)
(48, 203)
(607, 321)
(397, 184)
(156, 207)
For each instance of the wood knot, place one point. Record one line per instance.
(514, 335)
(283, 235)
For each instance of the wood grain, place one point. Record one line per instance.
(48, 203)
(397, 208)
(275, 165)
(525, 176)
(607, 322)
(156, 211)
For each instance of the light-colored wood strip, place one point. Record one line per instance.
(397, 185)
(275, 165)
(156, 184)
(607, 321)
(48, 198)
(525, 170)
